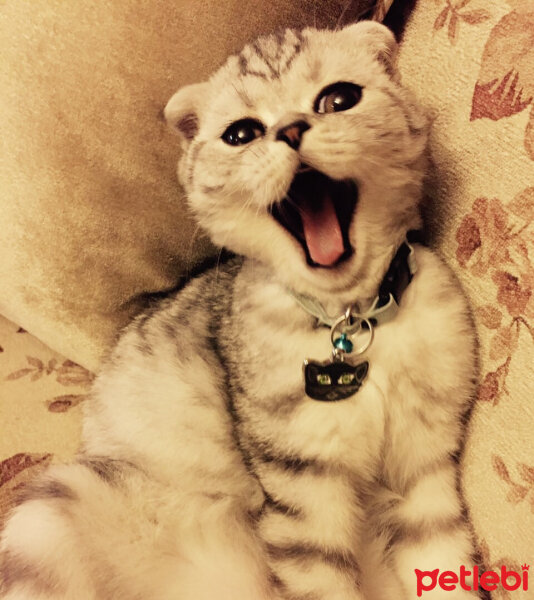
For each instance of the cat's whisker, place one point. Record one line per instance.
(342, 14)
(290, 201)
(217, 265)
(192, 243)
(237, 218)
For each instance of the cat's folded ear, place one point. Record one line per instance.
(379, 39)
(183, 109)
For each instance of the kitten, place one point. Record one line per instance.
(213, 466)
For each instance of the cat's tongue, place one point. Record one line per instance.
(322, 231)
(317, 211)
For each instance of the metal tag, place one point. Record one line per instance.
(330, 381)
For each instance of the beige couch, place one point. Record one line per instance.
(92, 219)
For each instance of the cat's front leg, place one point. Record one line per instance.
(420, 525)
(309, 524)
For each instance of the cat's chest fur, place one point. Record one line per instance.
(268, 336)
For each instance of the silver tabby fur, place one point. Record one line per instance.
(206, 473)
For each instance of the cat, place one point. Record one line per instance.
(287, 425)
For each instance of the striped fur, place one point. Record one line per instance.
(206, 472)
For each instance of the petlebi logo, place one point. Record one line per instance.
(473, 579)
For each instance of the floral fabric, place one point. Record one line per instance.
(477, 80)
(40, 408)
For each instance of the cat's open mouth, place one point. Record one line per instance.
(317, 211)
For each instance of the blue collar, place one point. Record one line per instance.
(385, 306)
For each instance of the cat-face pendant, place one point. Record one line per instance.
(333, 380)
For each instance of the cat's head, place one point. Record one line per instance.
(304, 153)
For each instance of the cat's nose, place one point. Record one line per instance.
(292, 134)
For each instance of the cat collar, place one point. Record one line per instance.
(336, 378)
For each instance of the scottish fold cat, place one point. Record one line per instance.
(287, 425)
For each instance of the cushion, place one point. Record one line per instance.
(477, 79)
(92, 217)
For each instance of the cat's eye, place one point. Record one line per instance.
(243, 132)
(346, 378)
(323, 379)
(338, 97)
